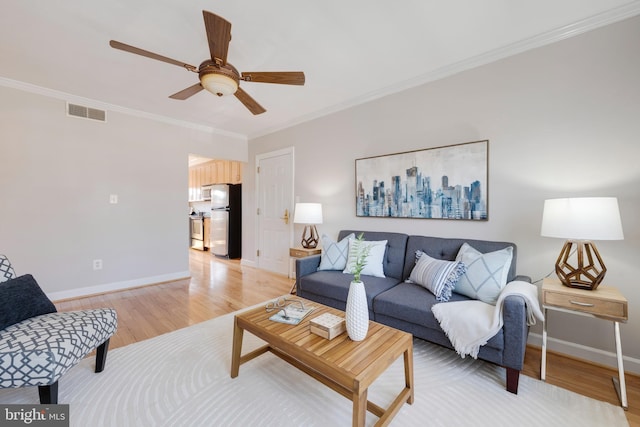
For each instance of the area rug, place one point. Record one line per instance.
(182, 379)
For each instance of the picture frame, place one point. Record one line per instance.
(446, 182)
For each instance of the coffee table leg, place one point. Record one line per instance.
(238, 333)
(408, 371)
(359, 408)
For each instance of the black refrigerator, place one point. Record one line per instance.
(226, 220)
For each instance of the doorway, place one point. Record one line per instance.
(274, 187)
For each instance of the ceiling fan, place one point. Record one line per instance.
(216, 74)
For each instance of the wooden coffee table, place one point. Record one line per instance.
(345, 366)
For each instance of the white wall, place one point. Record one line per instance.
(56, 175)
(563, 120)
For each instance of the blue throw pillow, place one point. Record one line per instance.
(21, 298)
(334, 254)
(486, 274)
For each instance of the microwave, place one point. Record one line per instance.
(206, 192)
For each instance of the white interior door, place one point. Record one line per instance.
(275, 209)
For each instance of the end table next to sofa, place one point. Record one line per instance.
(300, 253)
(605, 303)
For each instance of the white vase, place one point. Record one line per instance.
(357, 314)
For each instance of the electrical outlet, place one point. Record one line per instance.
(113, 199)
(97, 264)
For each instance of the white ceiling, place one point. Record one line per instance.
(351, 51)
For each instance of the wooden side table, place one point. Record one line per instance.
(605, 302)
(301, 253)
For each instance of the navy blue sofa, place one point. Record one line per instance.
(407, 306)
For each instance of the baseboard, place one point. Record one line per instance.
(247, 263)
(117, 286)
(595, 355)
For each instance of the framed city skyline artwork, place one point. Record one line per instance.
(435, 183)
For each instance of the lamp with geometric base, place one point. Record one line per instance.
(309, 214)
(581, 220)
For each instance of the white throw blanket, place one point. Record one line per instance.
(470, 324)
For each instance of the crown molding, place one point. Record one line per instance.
(74, 99)
(611, 16)
(628, 10)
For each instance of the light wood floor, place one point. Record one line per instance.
(221, 286)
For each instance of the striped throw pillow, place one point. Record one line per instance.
(438, 276)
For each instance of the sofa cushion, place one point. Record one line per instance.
(436, 275)
(393, 261)
(412, 303)
(373, 264)
(334, 254)
(486, 273)
(335, 285)
(22, 298)
(6, 270)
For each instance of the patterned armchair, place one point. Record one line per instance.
(37, 344)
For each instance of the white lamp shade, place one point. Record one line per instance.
(219, 84)
(308, 213)
(582, 218)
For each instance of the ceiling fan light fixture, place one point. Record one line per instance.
(216, 75)
(219, 84)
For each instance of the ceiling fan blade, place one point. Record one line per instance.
(186, 93)
(249, 102)
(218, 36)
(131, 49)
(279, 77)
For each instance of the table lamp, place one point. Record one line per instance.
(579, 221)
(308, 214)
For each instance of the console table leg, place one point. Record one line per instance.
(543, 363)
(620, 385)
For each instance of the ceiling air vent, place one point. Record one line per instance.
(86, 112)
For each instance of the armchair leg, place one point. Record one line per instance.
(48, 394)
(513, 375)
(101, 356)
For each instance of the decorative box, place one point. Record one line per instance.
(327, 325)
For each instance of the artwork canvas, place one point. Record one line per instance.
(437, 183)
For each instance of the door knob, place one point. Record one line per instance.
(286, 216)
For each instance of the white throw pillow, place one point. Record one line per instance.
(334, 254)
(373, 266)
(486, 274)
(438, 276)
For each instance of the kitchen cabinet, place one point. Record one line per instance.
(213, 172)
(221, 171)
(207, 231)
(235, 172)
(207, 176)
(194, 185)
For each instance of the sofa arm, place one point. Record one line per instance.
(522, 278)
(515, 331)
(306, 266)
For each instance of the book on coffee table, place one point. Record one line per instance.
(291, 315)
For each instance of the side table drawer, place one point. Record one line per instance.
(302, 253)
(586, 304)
